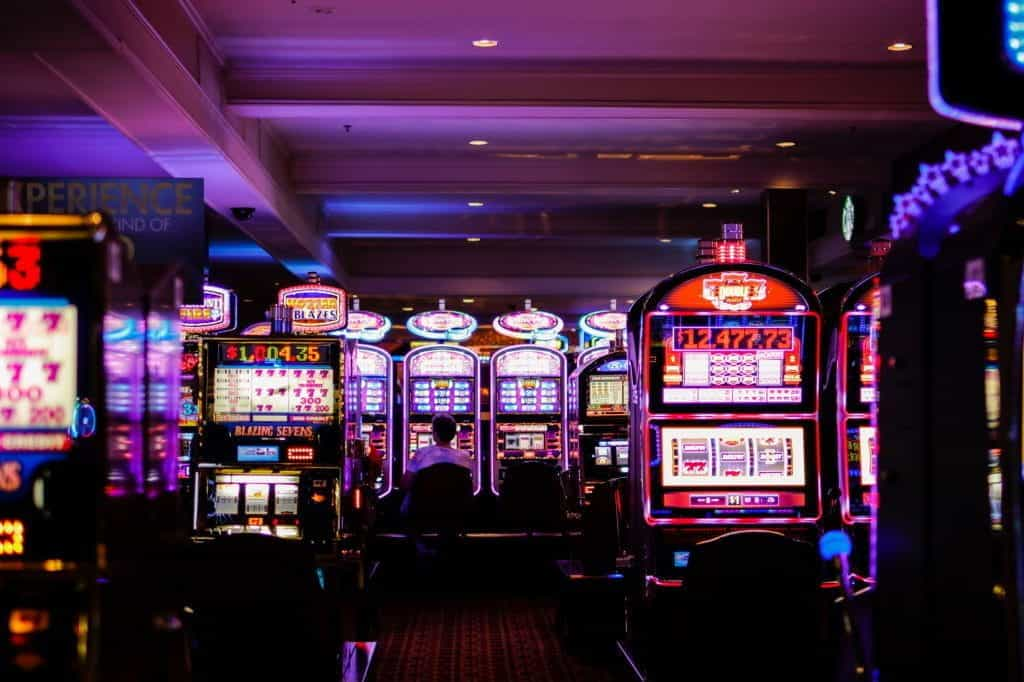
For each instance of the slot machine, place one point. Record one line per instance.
(598, 411)
(724, 424)
(948, 520)
(442, 377)
(87, 430)
(376, 389)
(269, 442)
(599, 419)
(528, 417)
(856, 438)
(217, 314)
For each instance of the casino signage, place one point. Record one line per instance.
(446, 325)
(528, 324)
(734, 290)
(603, 324)
(216, 314)
(366, 326)
(316, 308)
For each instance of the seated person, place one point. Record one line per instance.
(443, 428)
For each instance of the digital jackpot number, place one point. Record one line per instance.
(19, 264)
(268, 352)
(732, 338)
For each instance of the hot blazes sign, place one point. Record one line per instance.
(316, 308)
(216, 314)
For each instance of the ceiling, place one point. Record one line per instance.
(347, 127)
(782, 30)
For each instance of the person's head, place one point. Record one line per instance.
(444, 428)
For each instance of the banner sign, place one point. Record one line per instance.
(163, 217)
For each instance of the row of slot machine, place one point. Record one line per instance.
(259, 410)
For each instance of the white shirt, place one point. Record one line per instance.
(437, 454)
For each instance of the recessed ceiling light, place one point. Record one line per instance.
(478, 143)
(472, 239)
(475, 204)
(899, 47)
(485, 42)
(469, 300)
(709, 204)
(665, 240)
(785, 144)
(832, 192)
(631, 301)
(735, 190)
(407, 309)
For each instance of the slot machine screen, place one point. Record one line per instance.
(38, 362)
(860, 363)
(525, 441)
(733, 363)
(273, 382)
(529, 395)
(373, 391)
(730, 457)
(441, 380)
(606, 395)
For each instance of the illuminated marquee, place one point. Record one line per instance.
(603, 324)
(528, 324)
(216, 314)
(366, 326)
(316, 308)
(734, 290)
(528, 362)
(448, 325)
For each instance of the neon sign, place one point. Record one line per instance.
(603, 324)
(446, 325)
(366, 326)
(216, 314)
(528, 324)
(316, 308)
(734, 290)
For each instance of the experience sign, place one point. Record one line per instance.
(316, 308)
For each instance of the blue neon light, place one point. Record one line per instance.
(238, 252)
(1013, 23)
(680, 559)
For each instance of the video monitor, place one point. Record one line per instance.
(612, 453)
(716, 457)
(374, 395)
(431, 395)
(733, 363)
(529, 395)
(273, 382)
(258, 453)
(607, 395)
(861, 377)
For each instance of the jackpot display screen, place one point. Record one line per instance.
(529, 395)
(607, 395)
(273, 382)
(861, 387)
(733, 363)
(373, 381)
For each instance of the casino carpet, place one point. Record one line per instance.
(478, 638)
(496, 622)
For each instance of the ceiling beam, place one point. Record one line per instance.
(328, 174)
(883, 92)
(159, 83)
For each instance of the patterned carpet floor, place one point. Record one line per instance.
(484, 618)
(480, 638)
